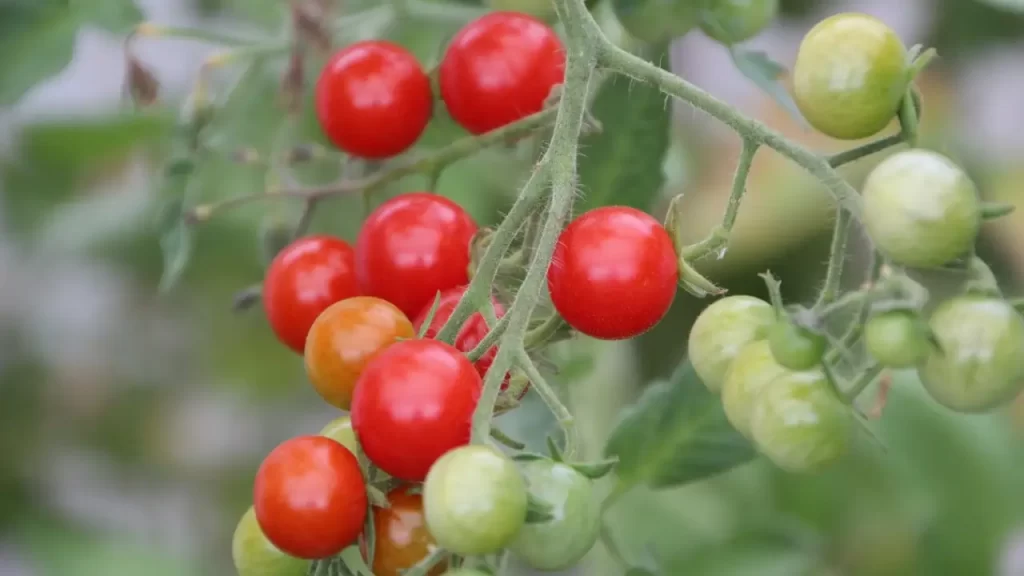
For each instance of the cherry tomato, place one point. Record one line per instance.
(471, 333)
(412, 247)
(981, 361)
(732, 21)
(475, 500)
(657, 21)
(721, 332)
(302, 281)
(565, 539)
(310, 498)
(798, 422)
(345, 338)
(373, 99)
(850, 76)
(254, 555)
(795, 347)
(896, 339)
(921, 209)
(498, 69)
(751, 371)
(340, 430)
(614, 273)
(402, 538)
(413, 403)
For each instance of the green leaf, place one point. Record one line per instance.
(623, 163)
(37, 40)
(538, 512)
(83, 143)
(596, 470)
(1008, 5)
(765, 72)
(176, 243)
(676, 433)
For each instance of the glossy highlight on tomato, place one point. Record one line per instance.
(721, 332)
(750, 373)
(373, 99)
(401, 536)
(412, 247)
(310, 498)
(254, 555)
(345, 338)
(498, 69)
(614, 273)
(304, 279)
(414, 402)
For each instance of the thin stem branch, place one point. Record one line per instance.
(862, 383)
(852, 155)
(153, 30)
(547, 393)
(490, 339)
(836, 259)
(719, 237)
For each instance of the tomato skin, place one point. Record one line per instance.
(475, 500)
(614, 273)
(850, 76)
(254, 555)
(750, 373)
(340, 430)
(981, 364)
(310, 498)
(564, 540)
(402, 539)
(657, 21)
(795, 347)
(412, 247)
(896, 339)
(345, 338)
(304, 279)
(373, 99)
(413, 403)
(738, 20)
(921, 209)
(799, 424)
(498, 69)
(721, 331)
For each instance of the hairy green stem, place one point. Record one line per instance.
(543, 332)
(490, 339)
(862, 383)
(547, 393)
(852, 155)
(719, 237)
(836, 259)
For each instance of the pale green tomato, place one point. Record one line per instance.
(564, 540)
(798, 422)
(475, 500)
(921, 209)
(657, 21)
(732, 21)
(981, 364)
(340, 430)
(850, 76)
(752, 370)
(721, 331)
(896, 339)
(254, 555)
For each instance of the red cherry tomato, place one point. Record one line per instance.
(412, 247)
(471, 333)
(614, 273)
(499, 68)
(412, 403)
(304, 279)
(373, 99)
(310, 498)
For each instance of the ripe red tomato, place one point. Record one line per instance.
(310, 497)
(412, 247)
(499, 68)
(402, 539)
(414, 402)
(373, 99)
(471, 333)
(304, 279)
(614, 273)
(344, 338)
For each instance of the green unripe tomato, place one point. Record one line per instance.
(732, 21)
(721, 331)
(798, 422)
(340, 430)
(896, 339)
(752, 370)
(795, 347)
(921, 209)
(564, 540)
(254, 555)
(850, 76)
(981, 363)
(657, 21)
(474, 499)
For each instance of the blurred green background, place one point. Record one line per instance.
(132, 422)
